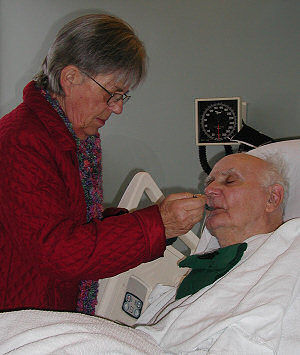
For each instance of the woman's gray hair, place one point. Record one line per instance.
(276, 173)
(96, 44)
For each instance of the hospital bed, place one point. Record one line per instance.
(40, 332)
(124, 297)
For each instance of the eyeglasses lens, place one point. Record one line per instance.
(117, 97)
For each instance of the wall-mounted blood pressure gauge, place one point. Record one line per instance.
(217, 120)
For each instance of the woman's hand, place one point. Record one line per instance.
(180, 212)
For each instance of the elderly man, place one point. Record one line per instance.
(237, 294)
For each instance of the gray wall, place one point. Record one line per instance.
(197, 48)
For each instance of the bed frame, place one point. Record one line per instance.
(124, 297)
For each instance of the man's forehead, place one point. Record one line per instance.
(236, 164)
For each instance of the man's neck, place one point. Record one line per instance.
(232, 236)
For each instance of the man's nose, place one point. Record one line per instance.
(211, 193)
(213, 189)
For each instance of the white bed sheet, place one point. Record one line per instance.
(34, 332)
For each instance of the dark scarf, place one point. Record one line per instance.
(89, 156)
(207, 268)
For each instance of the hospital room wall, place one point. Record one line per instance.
(196, 48)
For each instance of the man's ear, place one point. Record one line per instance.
(276, 195)
(70, 76)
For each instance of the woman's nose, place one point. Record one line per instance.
(117, 108)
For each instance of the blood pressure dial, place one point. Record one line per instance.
(217, 120)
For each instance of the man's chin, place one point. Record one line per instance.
(213, 222)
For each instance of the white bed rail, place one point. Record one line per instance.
(142, 183)
(121, 298)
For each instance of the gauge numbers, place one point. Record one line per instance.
(217, 120)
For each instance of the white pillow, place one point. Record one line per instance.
(289, 151)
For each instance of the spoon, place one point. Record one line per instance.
(208, 208)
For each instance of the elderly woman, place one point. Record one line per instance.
(53, 230)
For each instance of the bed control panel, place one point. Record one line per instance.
(134, 297)
(132, 305)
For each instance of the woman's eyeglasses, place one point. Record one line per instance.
(114, 97)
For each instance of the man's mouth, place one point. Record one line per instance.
(213, 208)
(209, 208)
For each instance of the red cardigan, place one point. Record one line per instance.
(46, 246)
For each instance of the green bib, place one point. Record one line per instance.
(207, 268)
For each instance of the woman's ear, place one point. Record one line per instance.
(70, 76)
(276, 195)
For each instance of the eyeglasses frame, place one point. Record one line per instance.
(124, 97)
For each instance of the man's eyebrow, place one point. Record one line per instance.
(208, 180)
(228, 172)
